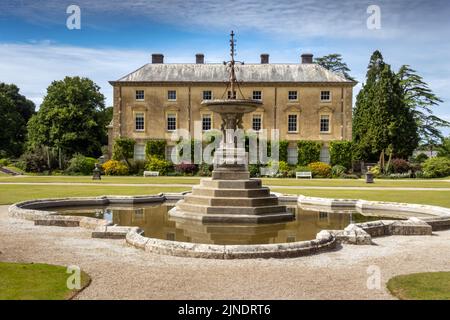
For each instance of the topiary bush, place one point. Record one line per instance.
(115, 168)
(320, 170)
(308, 152)
(155, 148)
(80, 164)
(341, 153)
(400, 166)
(436, 167)
(160, 165)
(338, 171)
(420, 158)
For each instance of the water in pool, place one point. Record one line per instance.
(156, 223)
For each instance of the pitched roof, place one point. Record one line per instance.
(188, 72)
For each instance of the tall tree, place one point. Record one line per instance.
(16, 110)
(418, 96)
(69, 120)
(335, 63)
(382, 123)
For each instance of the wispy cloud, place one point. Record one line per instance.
(296, 19)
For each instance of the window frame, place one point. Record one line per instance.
(168, 95)
(296, 122)
(211, 95)
(329, 96)
(136, 95)
(255, 116)
(322, 116)
(289, 95)
(260, 95)
(229, 94)
(135, 121)
(210, 121)
(167, 121)
(140, 145)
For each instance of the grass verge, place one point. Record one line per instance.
(421, 286)
(35, 281)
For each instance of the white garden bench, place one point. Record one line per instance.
(151, 173)
(303, 174)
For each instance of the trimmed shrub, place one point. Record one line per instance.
(4, 162)
(320, 170)
(303, 169)
(115, 168)
(400, 166)
(338, 171)
(283, 153)
(35, 160)
(186, 168)
(160, 165)
(155, 148)
(80, 164)
(341, 153)
(123, 149)
(255, 170)
(137, 167)
(205, 170)
(308, 152)
(436, 167)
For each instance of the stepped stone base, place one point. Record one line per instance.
(230, 196)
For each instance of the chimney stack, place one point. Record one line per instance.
(199, 58)
(264, 58)
(157, 58)
(307, 58)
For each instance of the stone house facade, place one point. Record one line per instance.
(304, 101)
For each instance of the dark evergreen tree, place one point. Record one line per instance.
(15, 112)
(418, 96)
(382, 123)
(334, 62)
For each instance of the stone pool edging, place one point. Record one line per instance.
(431, 218)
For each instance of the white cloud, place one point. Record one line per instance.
(294, 19)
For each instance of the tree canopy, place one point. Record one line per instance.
(418, 96)
(335, 63)
(382, 122)
(70, 118)
(15, 111)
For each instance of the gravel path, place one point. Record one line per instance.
(122, 272)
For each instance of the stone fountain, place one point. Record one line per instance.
(230, 196)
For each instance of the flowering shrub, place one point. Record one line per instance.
(160, 165)
(186, 168)
(115, 168)
(400, 166)
(320, 170)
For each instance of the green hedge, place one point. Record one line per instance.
(123, 149)
(155, 148)
(308, 152)
(341, 153)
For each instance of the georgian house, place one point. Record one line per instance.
(303, 100)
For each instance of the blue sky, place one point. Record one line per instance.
(118, 36)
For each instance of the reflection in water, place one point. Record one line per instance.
(156, 223)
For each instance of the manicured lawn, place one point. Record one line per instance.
(409, 183)
(35, 281)
(438, 198)
(421, 286)
(15, 193)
